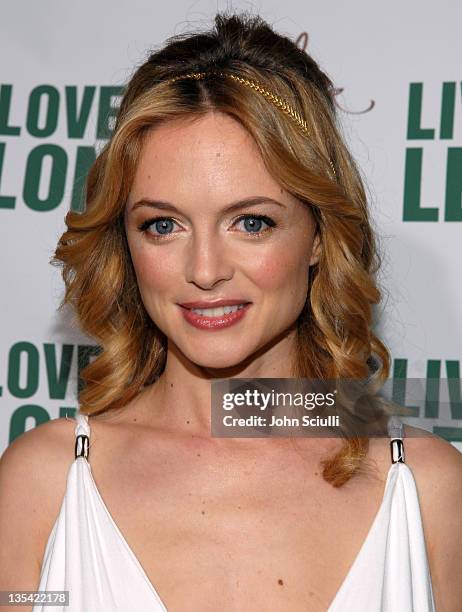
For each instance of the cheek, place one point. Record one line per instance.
(282, 276)
(153, 272)
(285, 270)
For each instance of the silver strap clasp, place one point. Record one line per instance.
(82, 443)
(397, 450)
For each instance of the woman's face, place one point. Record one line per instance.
(198, 249)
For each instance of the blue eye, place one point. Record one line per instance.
(253, 223)
(163, 226)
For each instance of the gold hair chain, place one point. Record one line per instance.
(273, 98)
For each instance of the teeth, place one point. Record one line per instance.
(217, 312)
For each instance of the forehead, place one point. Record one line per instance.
(211, 156)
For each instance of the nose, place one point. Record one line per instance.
(208, 261)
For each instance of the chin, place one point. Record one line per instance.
(220, 358)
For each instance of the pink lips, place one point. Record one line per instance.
(213, 323)
(214, 303)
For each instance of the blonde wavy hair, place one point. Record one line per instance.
(334, 330)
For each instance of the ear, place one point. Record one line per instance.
(316, 250)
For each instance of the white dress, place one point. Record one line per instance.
(87, 555)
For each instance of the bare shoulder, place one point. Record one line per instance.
(36, 460)
(39, 449)
(437, 468)
(431, 457)
(33, 474)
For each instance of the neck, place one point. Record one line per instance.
(181, 397)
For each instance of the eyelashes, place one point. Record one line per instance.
(166, 223)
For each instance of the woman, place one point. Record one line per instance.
(226, 184)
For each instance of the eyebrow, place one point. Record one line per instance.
(251, 201)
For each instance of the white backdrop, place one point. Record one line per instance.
(376, 53)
